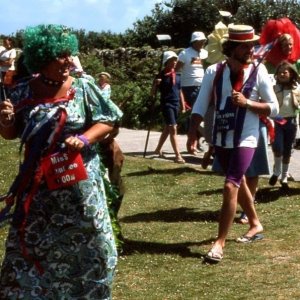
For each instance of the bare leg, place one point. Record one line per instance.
(164, 135)
(247, 204)
(252, 183)
(174, 142)
(173, 139)
(228, 210)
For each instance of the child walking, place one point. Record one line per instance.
(171, 98)
(288, 95)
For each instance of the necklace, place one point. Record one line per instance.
(51, 82)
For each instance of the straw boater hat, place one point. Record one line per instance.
(241, 34)
(105, 74)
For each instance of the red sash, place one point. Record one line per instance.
(172, 74)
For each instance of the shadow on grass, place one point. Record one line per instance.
(182, 249)
(263, 195)
(271, 194)
(152, 171)
(210, 192)
(169, 156)
(181, 214)
(189, 159)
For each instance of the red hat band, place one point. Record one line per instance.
(241, 36)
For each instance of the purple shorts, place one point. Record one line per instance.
(234, 162)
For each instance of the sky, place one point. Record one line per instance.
(91, 15)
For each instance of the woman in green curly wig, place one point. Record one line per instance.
(44, 43)
(60, 243)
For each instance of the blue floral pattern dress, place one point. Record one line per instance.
(63, 246)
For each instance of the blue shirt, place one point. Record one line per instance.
(169, 92)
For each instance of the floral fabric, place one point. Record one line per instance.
(65, 249)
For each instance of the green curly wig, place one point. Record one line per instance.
(44, 43)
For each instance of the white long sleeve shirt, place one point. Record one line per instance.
(261, 92)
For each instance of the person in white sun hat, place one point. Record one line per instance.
(190, 65)
(171, 99)
(241, 91)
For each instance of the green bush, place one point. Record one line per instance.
(131, 84)
(133, 71)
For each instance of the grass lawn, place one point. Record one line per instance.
(169, 220)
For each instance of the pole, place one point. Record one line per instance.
(161, 38)
(2, 89)
(2, 92)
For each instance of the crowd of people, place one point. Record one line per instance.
(247, 99)
(61, 242)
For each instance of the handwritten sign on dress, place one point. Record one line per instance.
(63, 169)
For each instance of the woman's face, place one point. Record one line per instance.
(7, 43)
(287, 46)
(60, 67)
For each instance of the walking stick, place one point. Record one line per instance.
(161, 39)
(2, 92)
(2, 89)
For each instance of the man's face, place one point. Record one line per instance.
(243, 53)
(198, 45)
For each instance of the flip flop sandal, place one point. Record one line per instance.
(193, 152)
(249, 239)
(160, 154)
(243, 219)
(179, 160)
(213, 256)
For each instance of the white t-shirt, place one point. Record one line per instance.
(6, 55)
(261, 92)
(192, 71)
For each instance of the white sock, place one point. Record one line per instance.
(285, 172)
(277, 165)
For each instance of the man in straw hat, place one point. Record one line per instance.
(241, 91)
